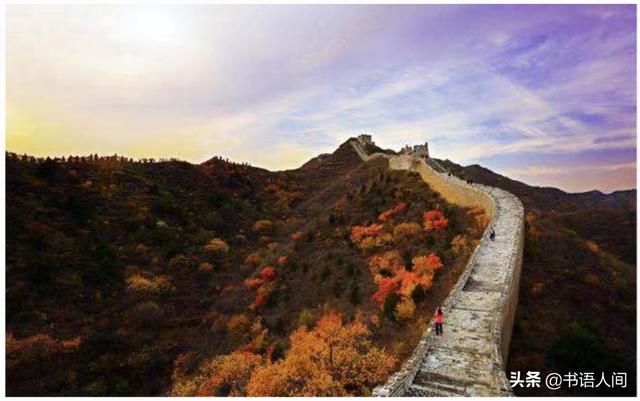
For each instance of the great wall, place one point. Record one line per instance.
(470, 358)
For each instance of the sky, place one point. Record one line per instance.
(542, 94)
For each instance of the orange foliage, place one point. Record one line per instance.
(399, 280)
(593, 247)
(217, 246)
(35, 349)
(434, 220)
(390, 262)
(460, 245)
(386, 286)
(434, 262)
(422, 278)
(358, 233)
(405, 309)
(268, 273)
(36, 344)
(330, 360)
(426, 264)
(263, 226)
(252, 259)
(253, 282)
(205, 267)
(388, 214)
(142, 285)
(406, 230)
(403, 282)
(282, 260)
(262, 296)
(229, 374)
(71, 344)
(296, 236)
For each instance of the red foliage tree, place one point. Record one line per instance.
(358, 233)
(434, 220)
(262, 296)
(268, 274)
(388, 214)
(434, 262)
(386, 286)
(253, 282)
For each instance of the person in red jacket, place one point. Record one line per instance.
(439, 319)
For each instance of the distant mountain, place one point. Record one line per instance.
(544, 197)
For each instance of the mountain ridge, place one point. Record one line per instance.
(580, 250)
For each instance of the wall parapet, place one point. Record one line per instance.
(470, 359)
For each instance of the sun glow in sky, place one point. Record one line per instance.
(543, 94)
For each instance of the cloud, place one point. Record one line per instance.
(276, 85)
(542, 170)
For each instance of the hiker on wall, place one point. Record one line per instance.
(439, 319)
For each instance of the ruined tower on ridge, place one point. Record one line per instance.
(418, 150)
(365, 139)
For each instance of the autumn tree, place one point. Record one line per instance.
(238, 327)
(268, 273)
(406, 230)
(263, 227)
(205, 267)
(405, 309)
(262, 296)
(425, 267)
(386, 286)
(358, 233)
(252, 259)
(217, 247)
(385, 264)
(389, 214)
(253, 282)
(224, 375)
(333, 359)
(140, 285)
(434, 220)
(460, 245)
(30, 350)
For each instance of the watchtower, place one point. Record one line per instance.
(365, 139)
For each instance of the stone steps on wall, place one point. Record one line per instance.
(429, 384)
(431, 389)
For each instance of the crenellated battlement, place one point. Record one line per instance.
(365, 139)
(417, 150)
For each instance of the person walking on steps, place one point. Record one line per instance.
(439, 319)
(492, 235)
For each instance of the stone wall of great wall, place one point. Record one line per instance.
(470, 358)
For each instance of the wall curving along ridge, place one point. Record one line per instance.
(470, 358)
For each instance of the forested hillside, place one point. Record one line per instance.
(163, 277)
